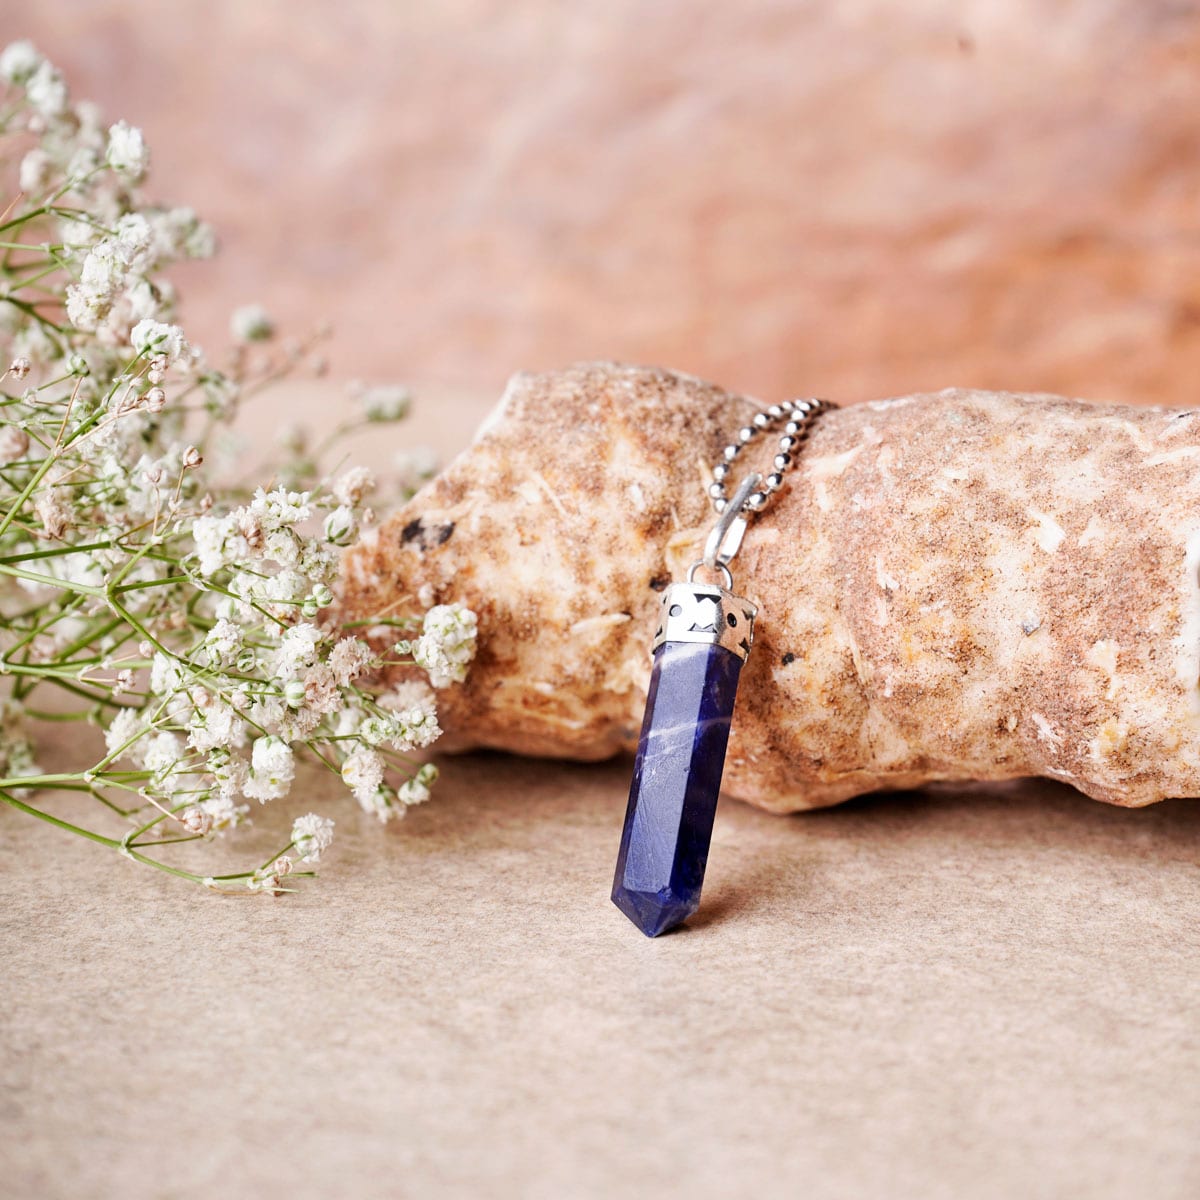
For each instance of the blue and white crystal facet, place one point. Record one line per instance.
(676, 782)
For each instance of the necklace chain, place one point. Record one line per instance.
(797, 418)
(754, 493)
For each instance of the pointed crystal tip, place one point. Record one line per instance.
(654, 912)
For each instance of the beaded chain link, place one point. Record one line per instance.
(797, 418)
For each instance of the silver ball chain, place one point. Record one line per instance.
(754, 492)
(797, 418)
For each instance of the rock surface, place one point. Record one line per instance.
(954, 585)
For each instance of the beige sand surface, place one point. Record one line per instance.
(982, 993)
(941, 995)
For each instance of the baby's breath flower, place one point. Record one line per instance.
(414, 466)
(406, 729)
(195, 820)
(353, 486)
(125, 728)
(280, 508)
(416, 790)
(54, 512)
(312, 835)
(349, 658)
(272, 767)
(189, 620)
(19, 61)
(127, 151)
(46, 90)
(37, 169)
(363, 772)
(166, 674)
(215, 724)
(447, 644)
(251, 323)
(297, 650)
(267, 879)
(148, 336)
(386, 403)
(223, 642)
(341, 526)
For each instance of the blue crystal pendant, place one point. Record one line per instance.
(699, 650)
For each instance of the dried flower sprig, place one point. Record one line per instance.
(192, 622)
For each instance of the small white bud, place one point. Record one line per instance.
(252, 323)
(196, 820)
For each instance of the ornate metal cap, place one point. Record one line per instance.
(705, 613)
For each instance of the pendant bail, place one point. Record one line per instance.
(725, 538)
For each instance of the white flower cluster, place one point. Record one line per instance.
(384, 403)
(119, 248)
(447, 643)
(194, 621)
(312, 836)
(251, 323)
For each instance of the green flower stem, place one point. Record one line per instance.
(50, 270)
(53, 581)
(19, 246)
(132, 562)
(29, 216)
(38, 714)
(91, 638)
(31, 311)
(38, 781)
(398, 622)
(21, 691)
(73, 603)
(191, 837)
(19, 503)
(160, 816)
(21, 806)
(166, 581)
(121, 846)
(277, 857)
(56, 552)
(59, 670)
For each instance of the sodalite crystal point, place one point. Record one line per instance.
(676, 782)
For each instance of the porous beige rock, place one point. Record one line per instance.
(955, 585)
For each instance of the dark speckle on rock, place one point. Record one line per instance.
(435, 535)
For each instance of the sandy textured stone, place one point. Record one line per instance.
(955, 585)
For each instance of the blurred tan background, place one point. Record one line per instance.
(856, 199)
